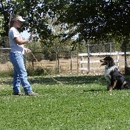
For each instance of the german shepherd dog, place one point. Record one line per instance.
(113, 76)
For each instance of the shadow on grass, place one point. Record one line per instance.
(93, 90)
(68, 80)
(71, 80)
(65, 80)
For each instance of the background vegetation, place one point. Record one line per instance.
(68, 24)
(56, 21)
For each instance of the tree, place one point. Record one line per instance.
(95, 19)
(32, 10)
(91, 19)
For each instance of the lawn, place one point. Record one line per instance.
(72, 103)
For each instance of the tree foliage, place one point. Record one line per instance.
(95, 19)
(90, 19)
(34, 13)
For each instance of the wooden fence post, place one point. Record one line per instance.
(71, 61)
(117, 59)
(88, 50)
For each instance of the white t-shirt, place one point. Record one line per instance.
(15, 48)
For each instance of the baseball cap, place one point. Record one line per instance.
(19, 18)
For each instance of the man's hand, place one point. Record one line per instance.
(27, 50)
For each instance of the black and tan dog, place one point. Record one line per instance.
(113, 76)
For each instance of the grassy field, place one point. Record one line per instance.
(76, 103)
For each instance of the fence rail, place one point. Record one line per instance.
(87, 59)
(83, 62)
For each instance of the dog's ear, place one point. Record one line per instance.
(111, 61)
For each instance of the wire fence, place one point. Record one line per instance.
(67, 61)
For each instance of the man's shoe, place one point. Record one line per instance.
(32, 94)
(20, 94)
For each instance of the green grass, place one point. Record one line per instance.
(79, 103)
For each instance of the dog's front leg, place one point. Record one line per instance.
(108, 87)
(108, 78)
(114, 85)
(111, 87)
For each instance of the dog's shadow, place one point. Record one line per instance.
(93, 90)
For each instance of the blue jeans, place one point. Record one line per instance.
(20, 73)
